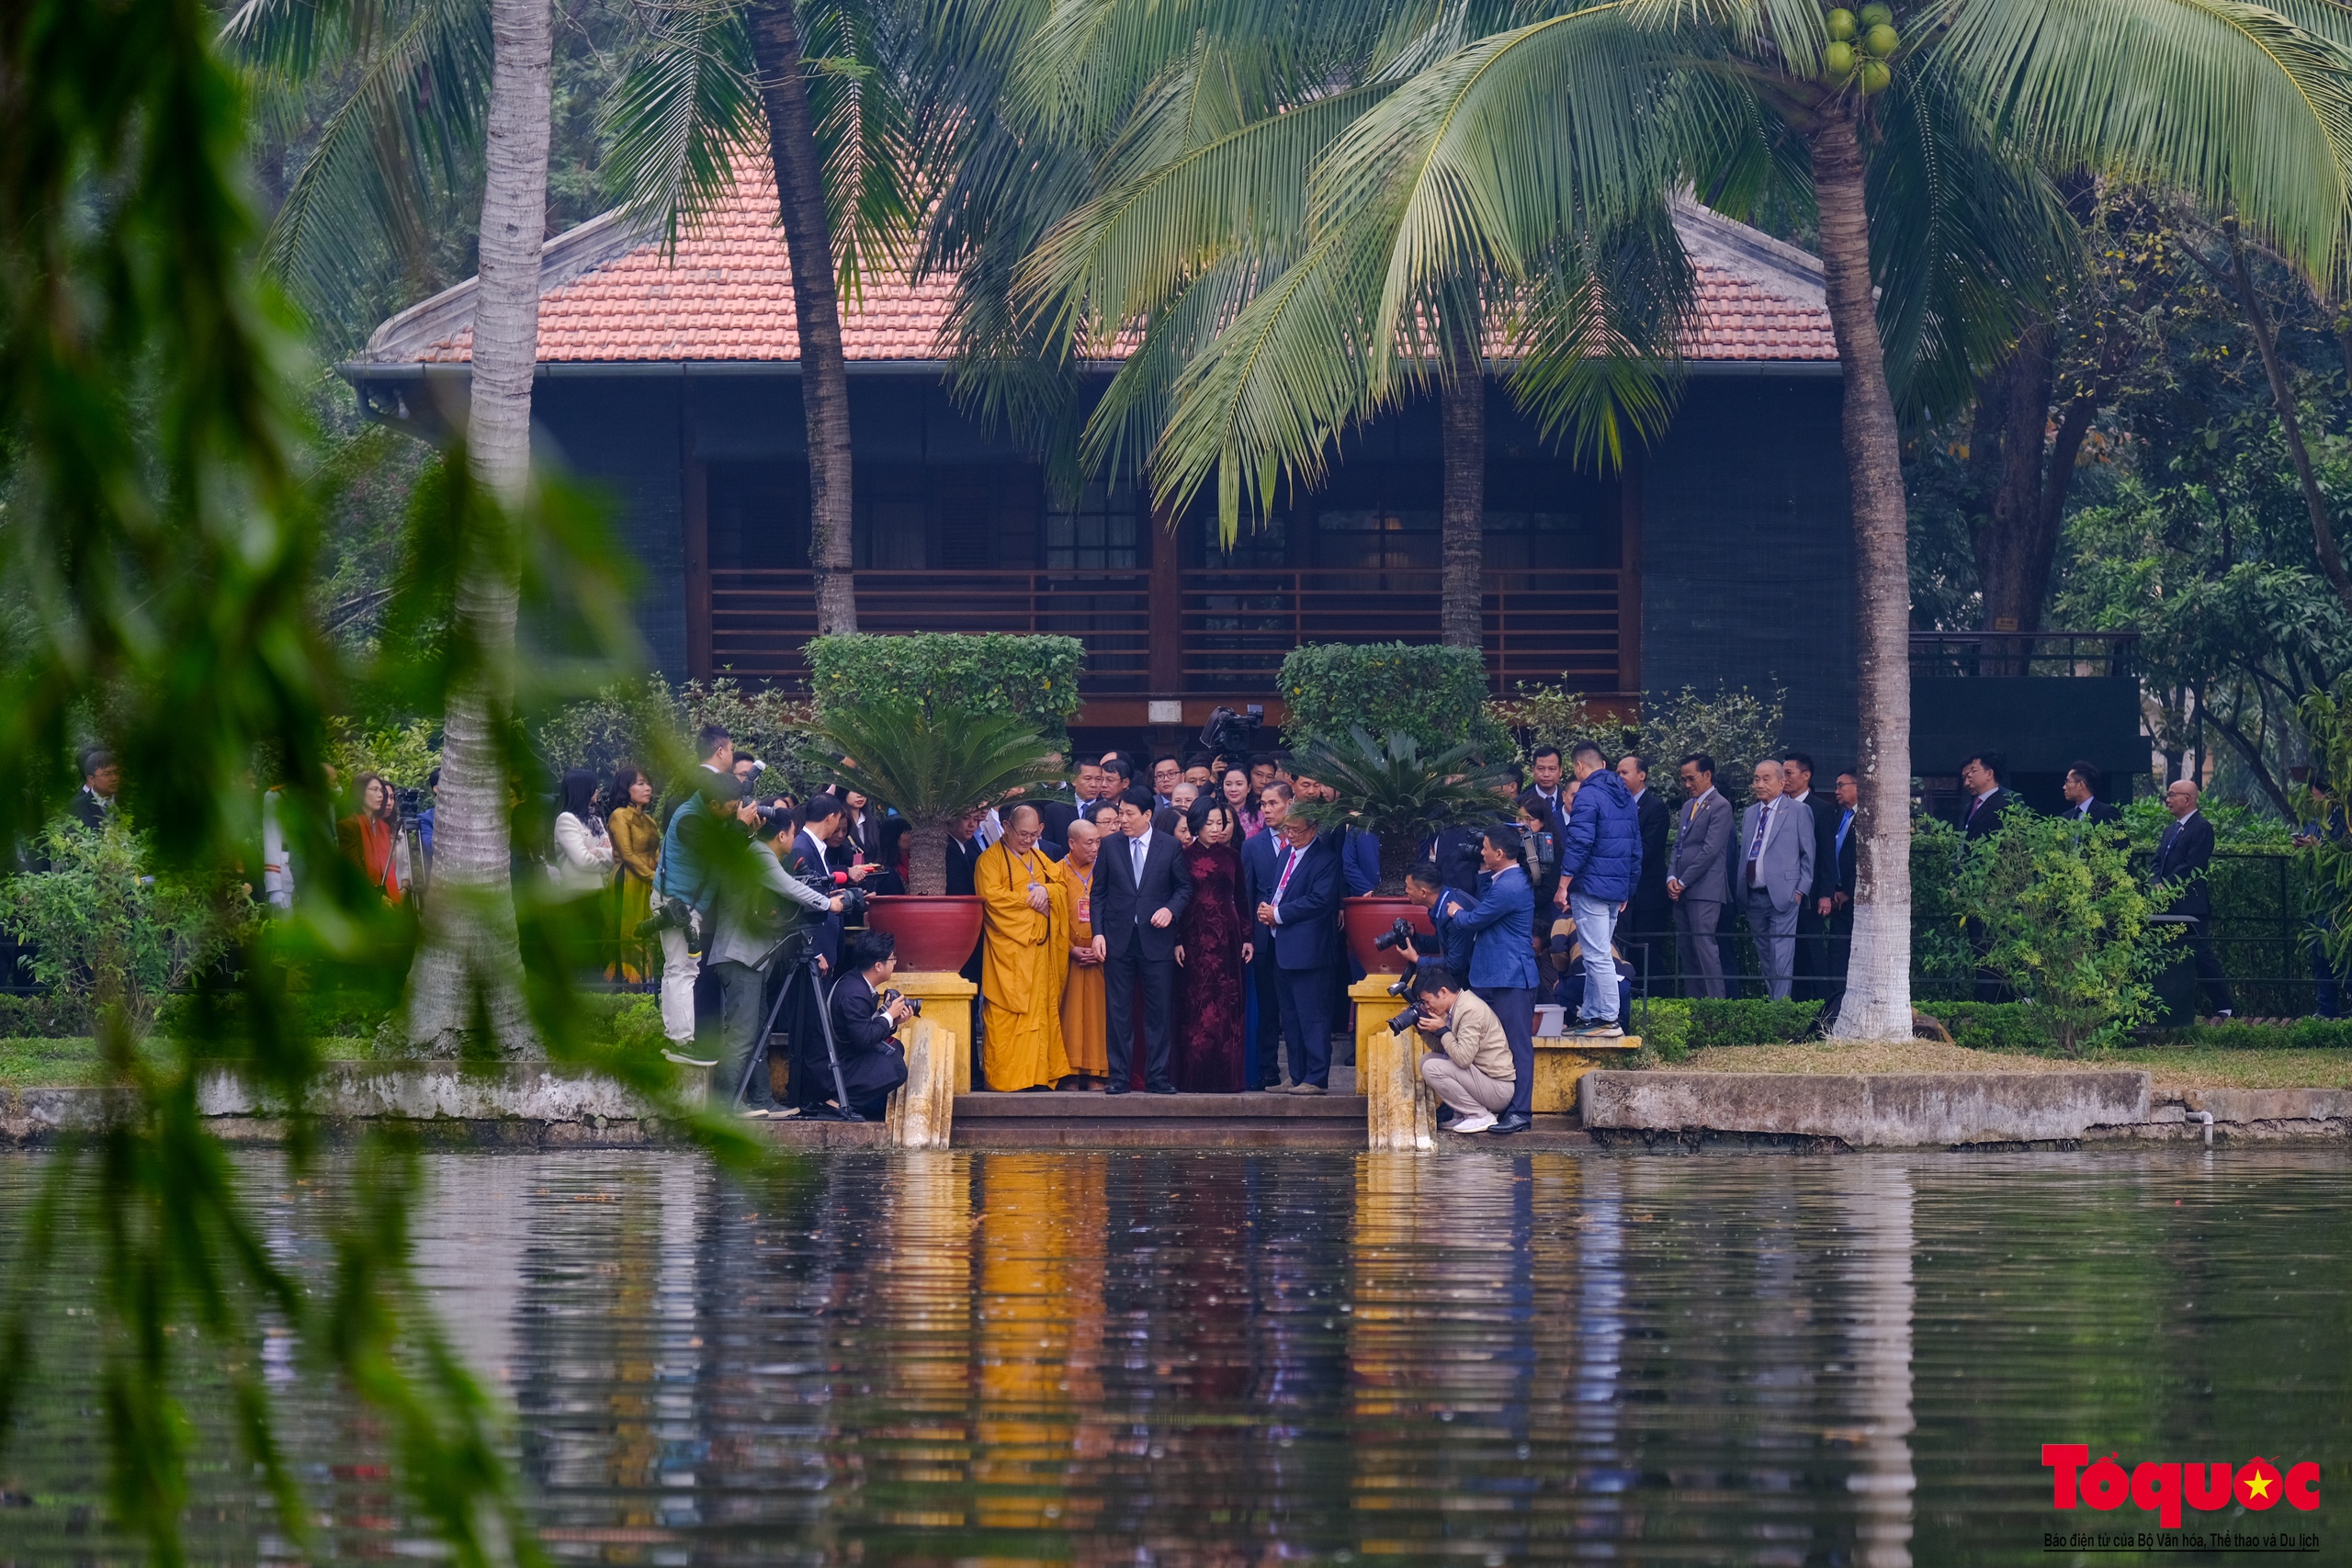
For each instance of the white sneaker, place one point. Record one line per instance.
(1478, 1123)
(674, 1055)
(753, 1113)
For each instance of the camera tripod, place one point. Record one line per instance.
(803, 971)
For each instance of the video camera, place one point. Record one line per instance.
(1233, 734)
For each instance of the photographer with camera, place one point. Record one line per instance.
(1472, 1069)
(757, 907)
(1453, 941)
(1502, 960)
(682, 887)
(865, 1025)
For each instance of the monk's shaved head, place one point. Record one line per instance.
(1014, 818)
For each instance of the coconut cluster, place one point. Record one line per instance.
(1860, 48)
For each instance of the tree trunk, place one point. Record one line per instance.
(470, 969)
(2012, 554)
(2257, 316)
(1878, 985)
(927, 860)
(1461, 410)
(816, 304)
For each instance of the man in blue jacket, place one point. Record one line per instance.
(1302, 912)
(1502, 962)
(1600, 866)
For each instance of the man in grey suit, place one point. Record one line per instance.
(1697, 877)
(1776, 839)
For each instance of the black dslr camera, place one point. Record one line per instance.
(852, 904)
(914, 1004)
(1401, 931)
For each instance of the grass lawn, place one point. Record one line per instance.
(2175, 1067)
(65, 1063)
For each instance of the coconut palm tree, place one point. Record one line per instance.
(1506, 155)
(820, 88)
(421, 72)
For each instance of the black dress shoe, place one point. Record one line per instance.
(1509, 1124)
(1161, 1088)
(1114, 1088)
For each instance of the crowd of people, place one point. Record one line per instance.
(1174, 926)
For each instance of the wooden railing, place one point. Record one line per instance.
(1232, 627)
(1967, 654)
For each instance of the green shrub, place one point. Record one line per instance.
(2067, 922)
(1437, 695)
(1997, 1026)
(109, 936)
(652, 723)
(1748, 1021)
(2303, 1034)
(42, 1017)
(1033, 678)
(1665, 1028)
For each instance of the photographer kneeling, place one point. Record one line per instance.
(751, 925)
(864, 1027)
(1472, 1070)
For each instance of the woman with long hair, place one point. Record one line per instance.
(1233, 789)
(371, 838)
(584, 853)
(636, 844)
(1209, 1008)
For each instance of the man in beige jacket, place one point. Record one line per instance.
(1471, 1070)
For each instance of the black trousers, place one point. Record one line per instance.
(1814, 972)
(1122, 972)
(1841, 947)
(1265, 976)
(1515, 1010)
(1647, 933)
(1306, 1018)
(2209, 969)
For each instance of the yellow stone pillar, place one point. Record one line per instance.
(1561, 1064)
(922, 1113)
(1400, 1114)
(946, 998)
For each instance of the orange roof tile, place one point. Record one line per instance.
(726, 295)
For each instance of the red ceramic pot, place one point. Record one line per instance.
(1371, 916)
(935, 934)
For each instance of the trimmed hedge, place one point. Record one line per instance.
(1438, 695)
(1675, 1028)
(1030, 678)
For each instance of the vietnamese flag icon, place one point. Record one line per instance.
(2258, 1484)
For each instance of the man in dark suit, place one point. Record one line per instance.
(2083, 790)
(1056, 806)
(822, 820)
(1649, 919)
(1502, 963)
(1301, 913)
(1814, 965)
(94, 802)
(1261, 857)
(1839, 907)
(871, 1061)
(963, 850)
(2184, 859)
(1699, 878)
(1142, 888)
(1982, 776)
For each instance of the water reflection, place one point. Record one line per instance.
(1181, 1359)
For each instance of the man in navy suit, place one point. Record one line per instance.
(2184, 858)
(1502, 962)
(1302, 912)
(1261, 857)
(1142, 887)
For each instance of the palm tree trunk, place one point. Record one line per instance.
(1878, 985)
(927, 860)
(470, 969)
(1461, 411)
(816, 303)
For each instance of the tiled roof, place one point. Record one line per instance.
(726, 295)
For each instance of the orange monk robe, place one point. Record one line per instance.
(1024, 961)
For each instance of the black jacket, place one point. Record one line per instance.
(1123, 909)
(2102, 813)
(963, 858)
(2184, 856)
(1986, 819)
(1654, 817)
(1824, 807)
(1848, 857)
(807, 861)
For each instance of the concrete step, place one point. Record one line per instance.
(1135, 1106)
(1159, 1133)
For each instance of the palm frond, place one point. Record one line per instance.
(1597, 335)
(687, 107)
(858, 55)
(932, 768)
(2232, 102)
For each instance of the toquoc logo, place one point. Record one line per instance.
(2162, 1488)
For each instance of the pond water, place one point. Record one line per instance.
(1168, 1358)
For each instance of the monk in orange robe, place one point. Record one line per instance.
(1024, 957)
(1086, 1018)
